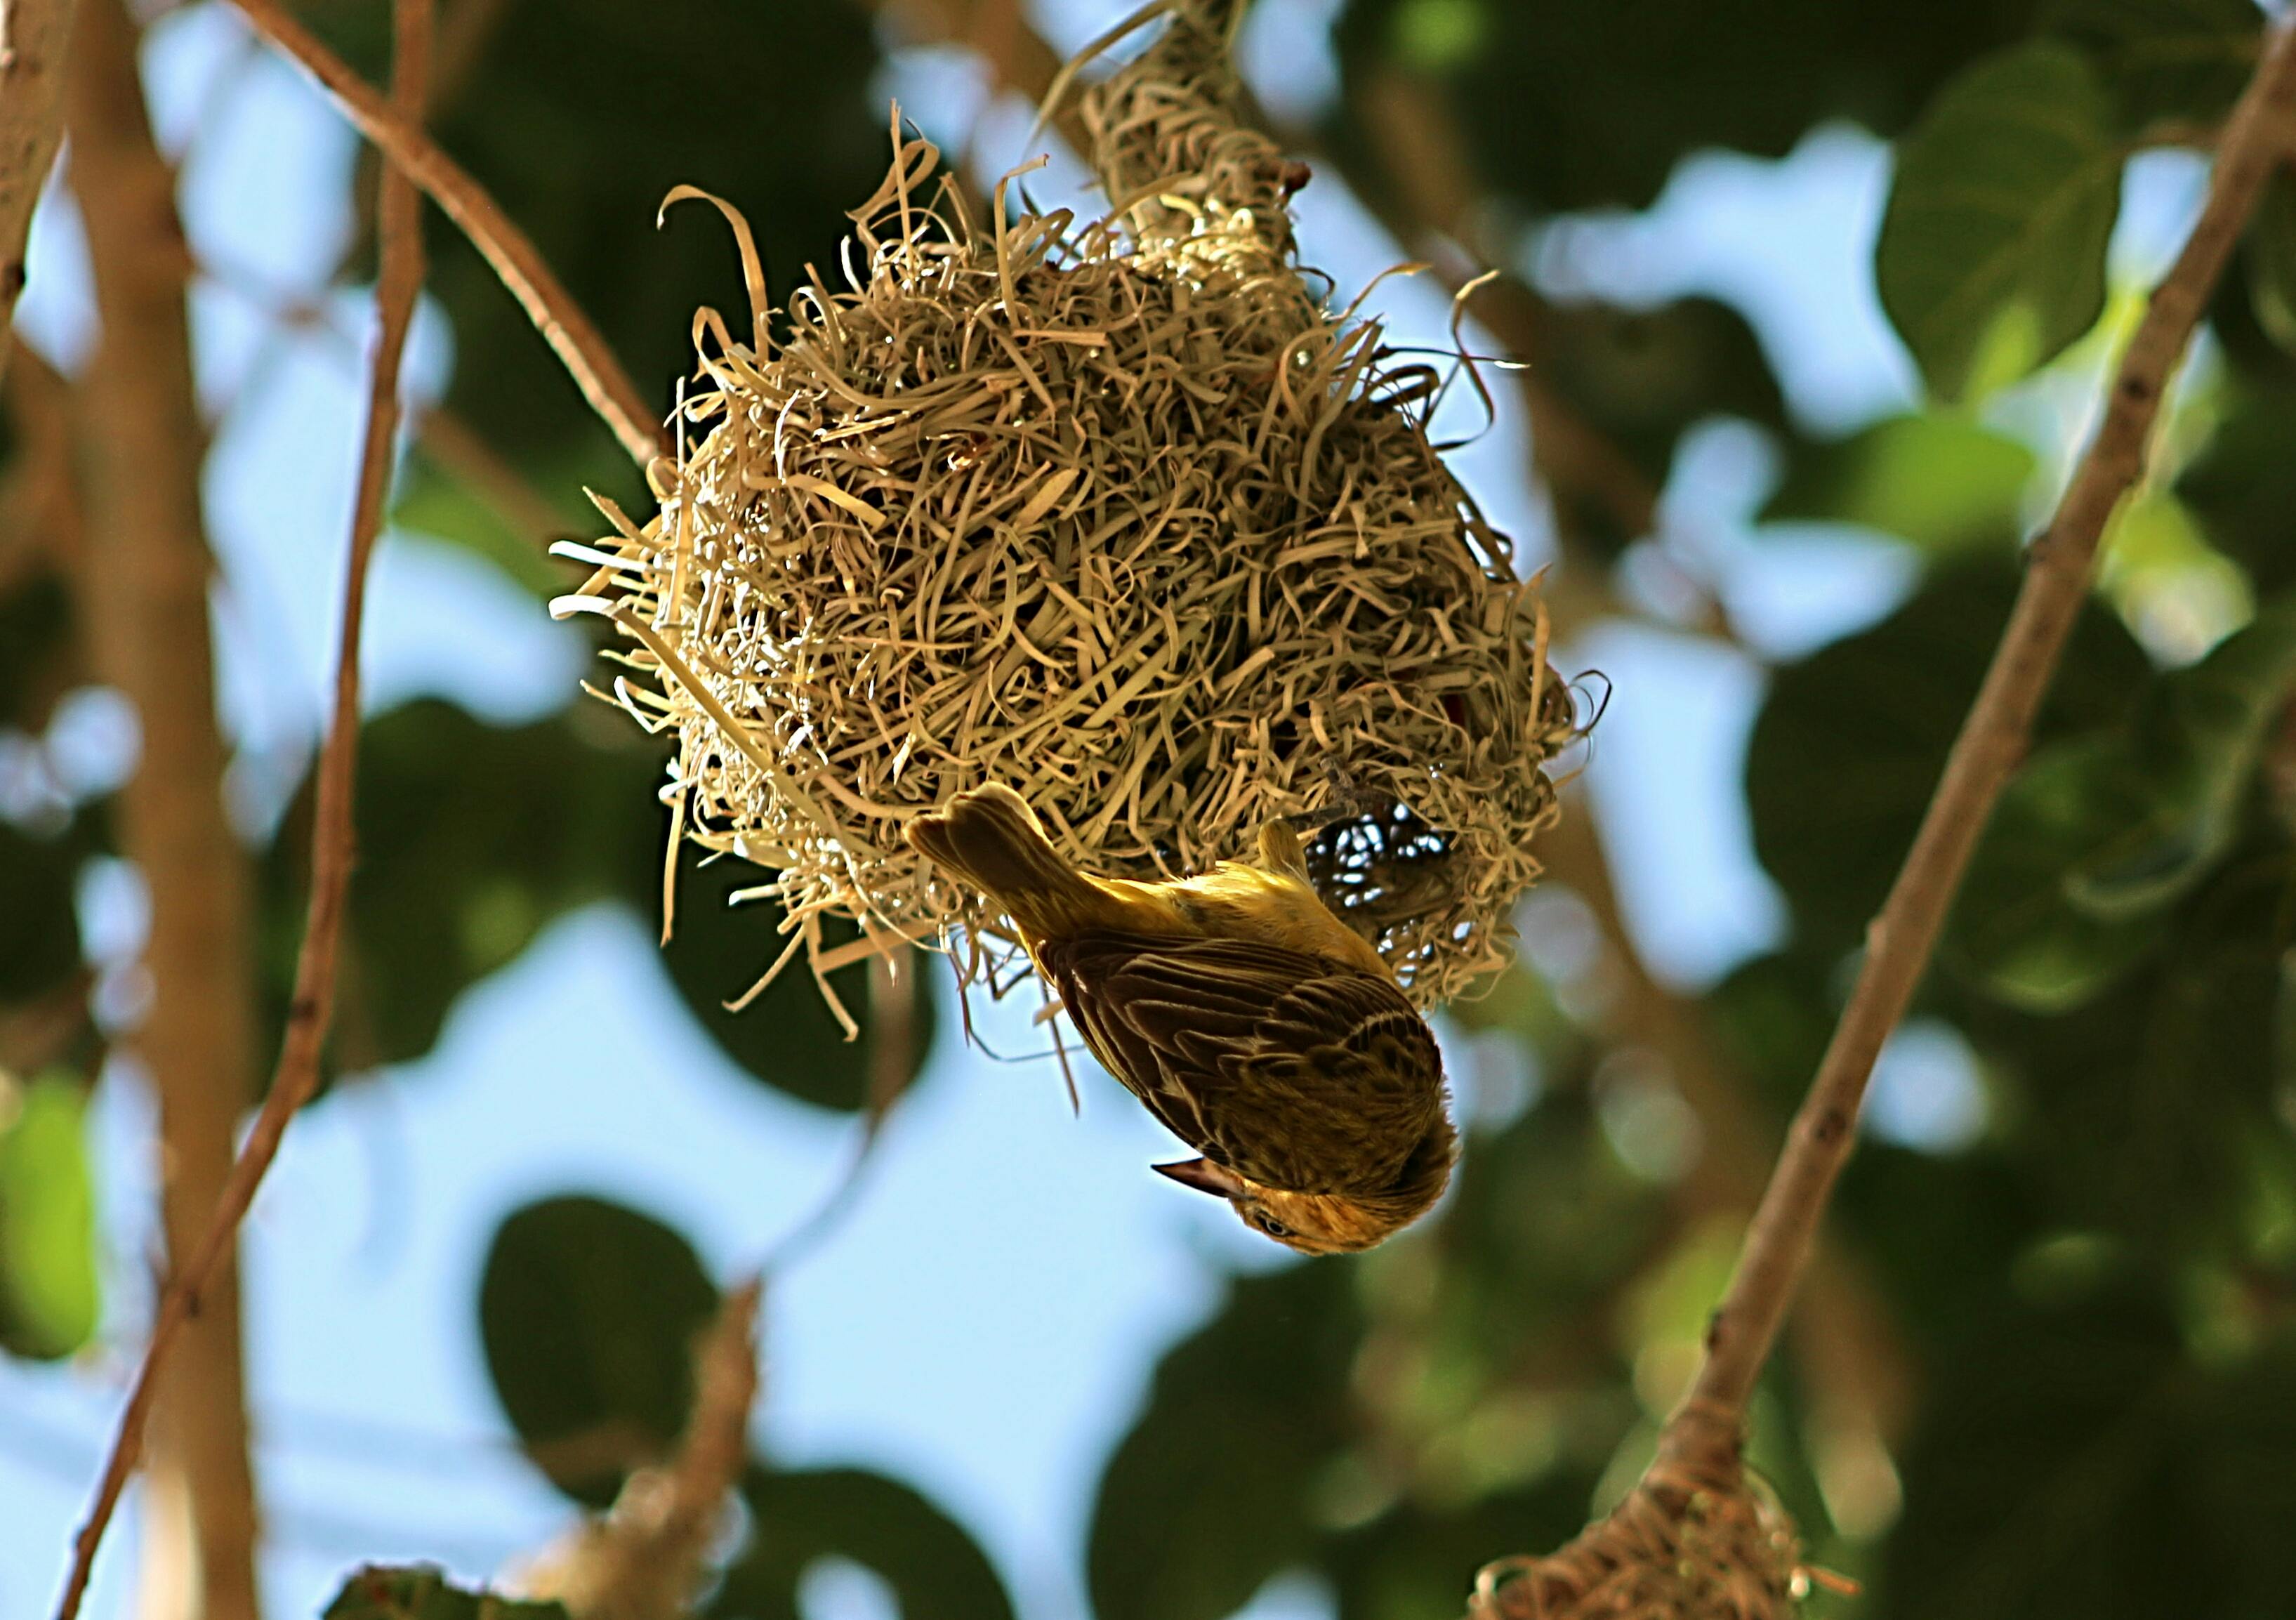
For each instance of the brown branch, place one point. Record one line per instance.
(198, 1270)
(647, 1557)
(579, 346)
(1993, 738)
(32, 35)
(145, 587)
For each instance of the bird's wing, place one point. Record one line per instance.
(1292, 1072)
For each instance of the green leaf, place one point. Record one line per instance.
(799, 1516)
(578, 116)
(1209, 1495)
(2195, 749)
(50, 1301)
(501, 526)
(1991, 256)
(1644, 377)
(2272, 259)
(787, 1036)
(471, 837)
(1575, 105)
(2015, 930)
(2242, 486)
(1940, 480)
(2077, 1466)
(588, 1310)
(1848, 746)
(39, 919)
(38, 647)
(2165, 59)
(2096, 834)
(421, 1591)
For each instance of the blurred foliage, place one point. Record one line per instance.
(579, 116)
(1941, 480)
(421, 1591)
(1590, 104)
(798, 1517)
(1992, 253)
(2054, 1371)
(1851, 740)
(49, 1291)
(588, 1312)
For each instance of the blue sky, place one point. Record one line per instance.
(986, 1334)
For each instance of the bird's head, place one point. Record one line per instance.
(1330, 1223)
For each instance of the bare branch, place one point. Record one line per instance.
(579, 346)
(1993, 738)
(297, 1076)
(647, 1557)
(32, 35)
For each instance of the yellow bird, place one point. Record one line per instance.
(1261, 1029)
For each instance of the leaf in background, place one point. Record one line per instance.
(798, 1516)
(39, 917)
(578, 116)
(2014, 931)
(2177, 592)
(49, 1299)
(2136, 1114)
(1589, 103)
(2098, 834)
(2243, 487)
(1991, 256)
(501, 526)
(2165, 59)
(1849, 746)
(421, 1591)
(1414, 1562)
(588, 1312)
(1208, 1496)
(1643, 376)
(1942, 481)
(470, 838)
(38, 649)
(2272, 259)
(787, 1036)
(2080, 1467)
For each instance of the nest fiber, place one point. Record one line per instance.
(1694, 1540)
(1120, 513)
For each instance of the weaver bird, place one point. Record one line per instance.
(1261, 1029)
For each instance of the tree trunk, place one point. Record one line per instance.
(146, 595)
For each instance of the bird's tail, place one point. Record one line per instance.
(991, 839)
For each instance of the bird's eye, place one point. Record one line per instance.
(1270, 1225)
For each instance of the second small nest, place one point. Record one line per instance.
(1128, 520)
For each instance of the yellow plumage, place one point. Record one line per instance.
(1253, 1021)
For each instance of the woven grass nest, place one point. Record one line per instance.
(1696, 1539)
(1121, 513)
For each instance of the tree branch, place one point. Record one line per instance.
(32, 35)
(145, 585)
(579, 346)
(296, 1078)
(647, 1557)
(1992, 740)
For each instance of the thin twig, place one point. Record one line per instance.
(32, 35)
(579, 346)
(398, 283)
(1993, 738)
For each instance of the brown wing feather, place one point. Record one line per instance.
(1290, 1071)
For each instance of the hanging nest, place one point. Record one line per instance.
(1696, 1539)
(1119, 512)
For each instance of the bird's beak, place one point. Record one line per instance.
(1205, 1177)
